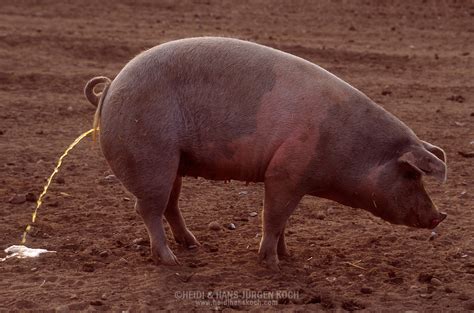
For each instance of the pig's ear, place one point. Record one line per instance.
(440, 154)
(425, 162)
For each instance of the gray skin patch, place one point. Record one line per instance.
(355, 136)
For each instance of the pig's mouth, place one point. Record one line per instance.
(416, 221)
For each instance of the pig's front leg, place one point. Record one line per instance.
(282, 249)
(280, 202)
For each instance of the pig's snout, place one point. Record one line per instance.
(435, 222)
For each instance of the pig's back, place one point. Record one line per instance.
(228, 104)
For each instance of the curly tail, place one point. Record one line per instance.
(96, 99)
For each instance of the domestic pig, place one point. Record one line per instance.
(222, 109)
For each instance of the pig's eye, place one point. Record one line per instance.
(412, 175)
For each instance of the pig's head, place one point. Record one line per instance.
(395, 189)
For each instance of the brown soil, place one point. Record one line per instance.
(415, 58)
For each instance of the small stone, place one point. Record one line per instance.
(17, 199)
(111, 177)
(352, 28)
(366, 290)
(104, 296)
(140, 241)
(96, 302)
(73, 296)
(230, 226)
(69, 108)
(104, 254)
(39, 132)
(214, 226)
(448, 289)
(34, 269)
(436, 282)
(137, 247)
(320, 216)
(30, 197)
(60, 180)
(386, 92)
(253, 214)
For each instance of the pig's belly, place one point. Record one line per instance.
(247, 163)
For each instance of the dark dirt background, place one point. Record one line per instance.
(415, 58)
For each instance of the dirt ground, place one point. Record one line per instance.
(415, 58)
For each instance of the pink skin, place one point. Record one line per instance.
(225, 109)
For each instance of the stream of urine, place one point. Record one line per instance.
(48, 182)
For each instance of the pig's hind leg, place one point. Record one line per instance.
(153, 190)
(181, 233)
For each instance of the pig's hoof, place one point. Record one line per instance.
(269, 261)
(165, 257)
(187, 240)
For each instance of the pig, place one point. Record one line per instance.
(228, 109)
